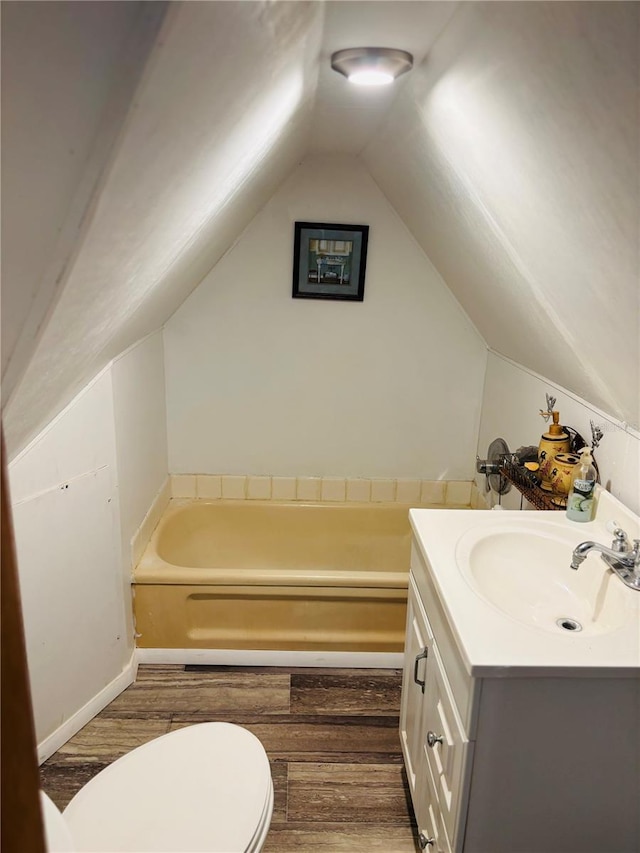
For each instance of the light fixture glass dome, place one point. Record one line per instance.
(371, 78)
(371, 66)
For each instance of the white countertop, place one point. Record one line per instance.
(493, 643)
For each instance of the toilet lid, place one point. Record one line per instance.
(205, 787)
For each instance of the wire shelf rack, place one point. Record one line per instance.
(527, 484)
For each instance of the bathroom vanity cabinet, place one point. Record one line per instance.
(514, 759)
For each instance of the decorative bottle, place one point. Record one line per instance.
(581, 503)
(551, 443)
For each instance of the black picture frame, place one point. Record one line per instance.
(329, 261)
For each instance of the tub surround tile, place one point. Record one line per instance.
(458, 493)
(325, 489)
(259, 488)
(408, 491)
(233, 487)
(433, 491)
(308, 488)
(383, 491)
(333, 489)
(209, 486)
(283, 488)
(183, 486)
(359, 490)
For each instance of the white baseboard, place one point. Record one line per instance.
(262, 657)
(72, 726)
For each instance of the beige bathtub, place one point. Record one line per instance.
(269, 575)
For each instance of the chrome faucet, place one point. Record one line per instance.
(624, 561)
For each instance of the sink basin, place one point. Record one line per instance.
(506, 589)
(523, 570)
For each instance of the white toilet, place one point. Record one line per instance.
(206, 787)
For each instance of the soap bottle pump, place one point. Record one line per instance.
(581, 503)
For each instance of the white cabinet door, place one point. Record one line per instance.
(418, 646)
(447, 750)
(432, 835)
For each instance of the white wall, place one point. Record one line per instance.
(65, 509)
(260, 383)
(140, 421)
(79, 492)
(513, 397)
(141, 431)
(512, 156)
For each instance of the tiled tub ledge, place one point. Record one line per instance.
(453, 493)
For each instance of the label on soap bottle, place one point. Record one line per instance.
(580, 502)
(585, 487)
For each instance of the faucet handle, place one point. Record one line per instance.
(621, 541)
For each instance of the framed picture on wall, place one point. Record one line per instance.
(329, 261)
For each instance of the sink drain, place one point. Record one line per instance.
(568, 624)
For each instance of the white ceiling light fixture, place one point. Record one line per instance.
(371, 66)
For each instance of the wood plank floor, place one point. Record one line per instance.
(331, 736)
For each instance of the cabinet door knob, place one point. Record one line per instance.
(433, 739)
(423, 841)
(421, 656)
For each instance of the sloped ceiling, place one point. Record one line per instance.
(512, 155)
(510, 151)
(218, 119)
(69, 71)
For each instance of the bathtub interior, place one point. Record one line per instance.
(280, 536)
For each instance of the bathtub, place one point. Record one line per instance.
(269, 575)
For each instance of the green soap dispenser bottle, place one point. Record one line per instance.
(581, 505)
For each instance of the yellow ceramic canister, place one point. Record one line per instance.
(551, 443)
(561, 471)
